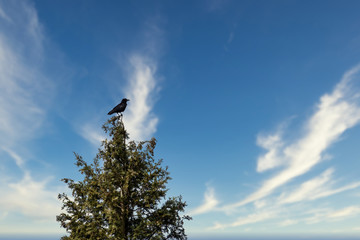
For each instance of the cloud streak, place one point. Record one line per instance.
(335, 113)
(24, 91)
(332, 215)
(30, 197)
(142, 87)
(92, 134)
(25, 95)
(315, 188)
(271, 159)
(251, 218)
(143, 81)
(209, 204)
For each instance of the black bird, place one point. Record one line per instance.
(120, 107)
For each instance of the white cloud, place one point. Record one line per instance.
(250, 219)
(25, 95)
(356, 229)
(92, 134)
(336, 112)
(253, 218)
(318, 187)
(18, 160)
(31, 198)
(139, 119)
(345, 212)
(142, 85)
(332, 215)
(271, 159)
(260, 203)
(209, 204)
(24, 91)
(288, 222)
(329, 192)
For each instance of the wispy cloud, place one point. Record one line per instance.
(24, 90)
(25, 95)
(251, 218)
(209, 204)
(348, 211)
(272, 143)
(143, 82)
(31, 198)
(335, 113)
(92, 134)
(142, 87)
(3, 15)
(332, 215)
(230, 38)
(20, 162)
(281, 214)
(288, 222)
(315, 188)
(140, 84)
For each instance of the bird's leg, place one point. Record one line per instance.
(119, 115)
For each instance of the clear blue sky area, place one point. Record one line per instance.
(255, 106)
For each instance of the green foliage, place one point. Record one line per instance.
(122, 195)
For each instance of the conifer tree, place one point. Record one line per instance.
(122, 195)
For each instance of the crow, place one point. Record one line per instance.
(120, 107)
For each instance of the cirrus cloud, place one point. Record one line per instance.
(336, 112)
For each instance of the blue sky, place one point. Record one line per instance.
(255, 106)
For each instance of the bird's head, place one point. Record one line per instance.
(125, 100)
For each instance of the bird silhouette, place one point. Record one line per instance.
(120, 107)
